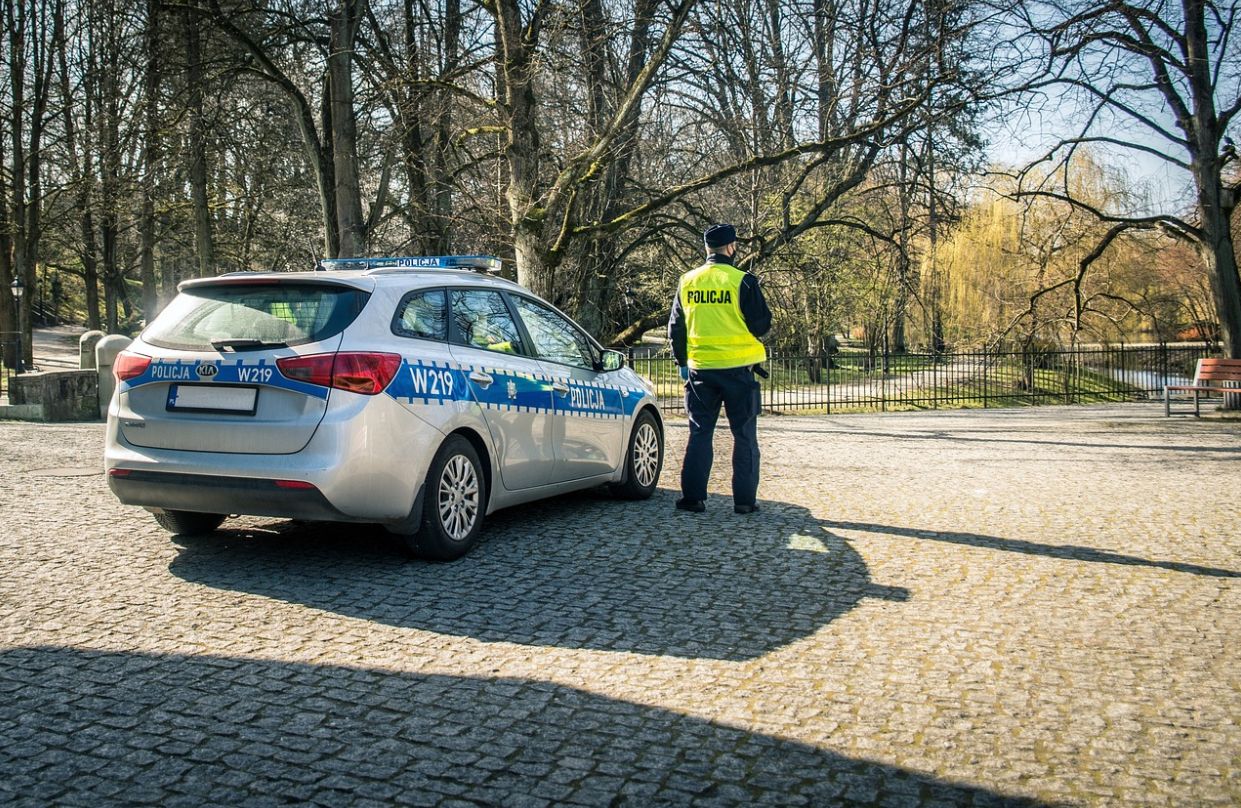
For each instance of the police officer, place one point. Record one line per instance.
(717, 317)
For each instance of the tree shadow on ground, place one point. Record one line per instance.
(1067, 552)
(581, 571)
(86, 727)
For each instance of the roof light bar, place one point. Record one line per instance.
(485, 263)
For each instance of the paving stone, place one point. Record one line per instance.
(1013, 607)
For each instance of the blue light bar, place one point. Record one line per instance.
(487, 263)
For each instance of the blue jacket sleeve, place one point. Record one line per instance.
(677, 336)
(754, 307)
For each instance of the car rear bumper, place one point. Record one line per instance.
(205, 493)
(360, 467)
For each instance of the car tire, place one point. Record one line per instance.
(644, 459)
(454, 503)
(188, 523)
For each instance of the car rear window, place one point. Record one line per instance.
(255, 315)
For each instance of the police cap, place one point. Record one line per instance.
(719, 235)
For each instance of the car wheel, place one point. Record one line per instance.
(188, 523)
(454, 503)
(644, 460)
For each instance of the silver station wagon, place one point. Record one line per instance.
(417, 393)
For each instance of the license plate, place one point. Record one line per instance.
(234, 399)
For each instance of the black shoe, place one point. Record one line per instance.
(745, 509)
(691, 505)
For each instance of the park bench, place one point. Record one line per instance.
(1210, 376)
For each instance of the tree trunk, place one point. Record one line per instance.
(534, 270)
(1218, 250)
(34, 31)
(204, 241)
(17, 22)
(442, 198)
(825, 71)
(110, 165)
(812, 316)
(319, 151)
(81, 172)
(595, 260)
(350, 224)
(900, 342)
(407, 100)
(8, 323)
(1215, 202)
(515, 83)
(90, 264)
(150, 164)
(320, 156)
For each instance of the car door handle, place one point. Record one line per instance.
(561, 388)
(483, 380)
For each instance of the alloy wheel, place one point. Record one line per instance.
(458, 497)
(646, 454)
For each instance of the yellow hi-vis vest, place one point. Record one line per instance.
(716, 334)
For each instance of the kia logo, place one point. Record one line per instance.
(207, 371)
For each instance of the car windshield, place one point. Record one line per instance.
(249, 316)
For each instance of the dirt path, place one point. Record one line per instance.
(56, 348)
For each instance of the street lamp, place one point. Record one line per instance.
(18, 287)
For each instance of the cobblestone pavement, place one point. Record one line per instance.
(1036, 606)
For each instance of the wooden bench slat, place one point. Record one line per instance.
(1218, 370)
(1210, 376)
(1203, 387)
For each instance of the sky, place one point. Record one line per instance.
(1167, 188)
(1017, 138)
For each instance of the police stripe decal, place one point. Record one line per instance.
(441, 383)
(218, 371)
(425, 382)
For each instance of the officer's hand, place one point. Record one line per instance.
(684, 373)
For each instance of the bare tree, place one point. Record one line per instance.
(329, 141)
(544, 201)
(204, 240)
(35, 30)
(1157, 78)
(152, 149)
(343, 22)
(78, 97)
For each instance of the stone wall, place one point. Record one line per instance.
(64, 395)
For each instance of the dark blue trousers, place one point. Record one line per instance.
(738, 391)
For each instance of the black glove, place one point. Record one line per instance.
(761, 372)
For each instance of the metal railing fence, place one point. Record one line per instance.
(862, 382)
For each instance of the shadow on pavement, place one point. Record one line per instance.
(1067, 552)
(87, 727)
(1095, 439)
(581, 571)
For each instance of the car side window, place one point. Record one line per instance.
(423, 315)
(554, 337)
(481, 320)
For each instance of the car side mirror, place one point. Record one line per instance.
(612, 360)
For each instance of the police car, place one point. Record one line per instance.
(418, 393)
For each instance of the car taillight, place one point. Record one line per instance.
(365, 373)
(128, 365)
(313, 369)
